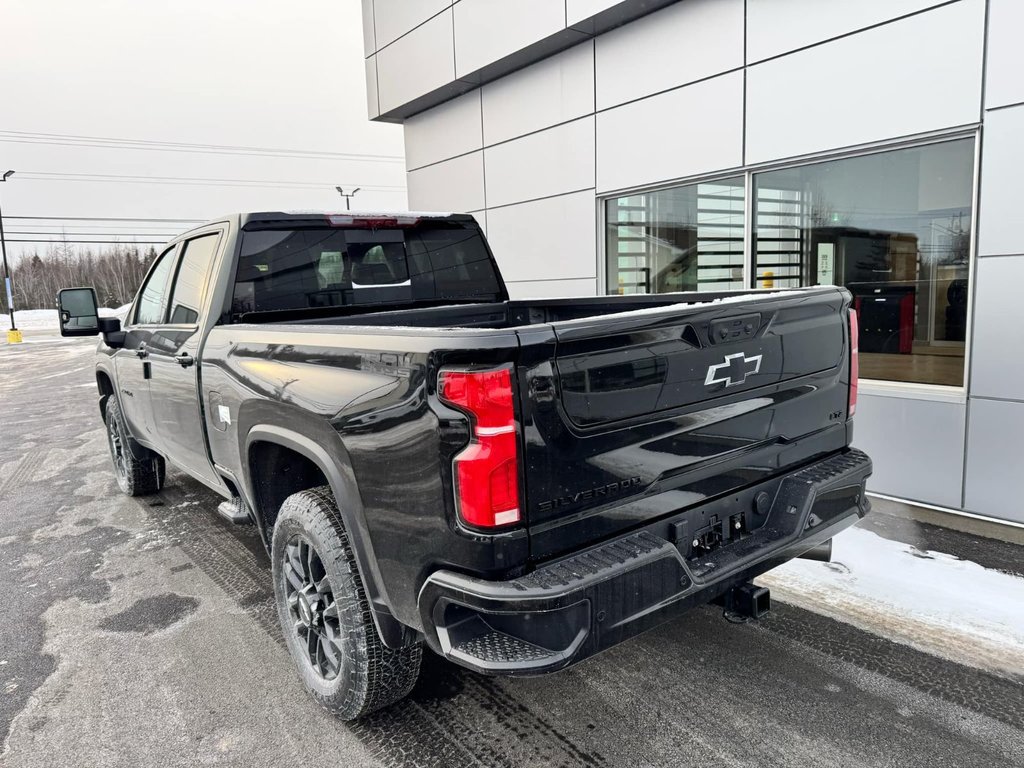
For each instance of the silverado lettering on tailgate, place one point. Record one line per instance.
(611, 489)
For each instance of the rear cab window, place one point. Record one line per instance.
(292, 268)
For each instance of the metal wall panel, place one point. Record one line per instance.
(394, 18)
(997, 354)
(916, 75)
(1004, 66)
(692, 130)
(995, 458)
(552, 289)
(487, 30)
(578, 10)
(455, 185)
(546, 239)
(447, 130)
(553, 91)
(780, 26)
(417, 63)
(372, 104)
(917, 447)
(369, 36)
(550, 162)
(1002, 159)
(677, 45)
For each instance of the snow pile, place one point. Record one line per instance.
(932, 601)
(33, 319)
(46, 319)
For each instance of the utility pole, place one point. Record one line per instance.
(348, 197)
(13, 335)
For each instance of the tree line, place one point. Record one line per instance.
(114, 271)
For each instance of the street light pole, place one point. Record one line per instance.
(348, 196)
(13, 335)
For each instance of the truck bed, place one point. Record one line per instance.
(623, 418)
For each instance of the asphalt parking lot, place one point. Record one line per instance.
(141, 631)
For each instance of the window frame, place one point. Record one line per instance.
(884, 387)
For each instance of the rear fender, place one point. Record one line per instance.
(335, 466)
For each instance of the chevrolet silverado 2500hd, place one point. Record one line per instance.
(516, 484)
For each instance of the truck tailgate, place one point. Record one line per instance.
(630, 417)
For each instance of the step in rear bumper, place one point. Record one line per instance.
(572, 608)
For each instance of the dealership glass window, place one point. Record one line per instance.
(895, 229)
(687, 238)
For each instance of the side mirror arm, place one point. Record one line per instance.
(113, 336)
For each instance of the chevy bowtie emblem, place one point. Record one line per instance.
(733, 371)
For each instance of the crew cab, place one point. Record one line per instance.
(518, 485)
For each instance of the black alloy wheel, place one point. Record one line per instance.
(135, 476)
(312, 607)
(117, 449)
(325, 615)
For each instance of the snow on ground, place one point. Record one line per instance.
(935, 602)
(46, 319)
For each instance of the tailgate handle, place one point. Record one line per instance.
(735, 328)
(542, 389)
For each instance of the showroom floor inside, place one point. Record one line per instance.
(942, 366)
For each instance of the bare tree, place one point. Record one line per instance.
(115, 272)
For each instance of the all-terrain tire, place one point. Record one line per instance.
(369, 675)
(135, 477)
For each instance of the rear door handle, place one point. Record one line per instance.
(184, 359)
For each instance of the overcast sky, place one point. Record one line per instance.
(244, 73)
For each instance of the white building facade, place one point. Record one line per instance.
(651, 146)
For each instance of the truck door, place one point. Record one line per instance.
(174, 351)
(131, 362)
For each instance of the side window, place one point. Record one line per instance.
(151, 301)
(190, 282)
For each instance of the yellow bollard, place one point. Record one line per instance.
(768, 279)
(14, 337)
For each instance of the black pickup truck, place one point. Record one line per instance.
(517, 484)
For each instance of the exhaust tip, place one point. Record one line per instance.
(820, 552)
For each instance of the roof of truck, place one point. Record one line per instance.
(329, 217)
(262, 216)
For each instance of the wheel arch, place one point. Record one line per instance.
(105, 386)
(269, 447)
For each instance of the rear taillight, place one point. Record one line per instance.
(487, 470)
(854, 360)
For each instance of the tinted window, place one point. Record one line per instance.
(895, 229)
(292, 269)
(151, 302)
(190, 283)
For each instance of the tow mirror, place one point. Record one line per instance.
(77, 311)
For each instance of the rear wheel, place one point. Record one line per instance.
(135, 477)
(325, 615)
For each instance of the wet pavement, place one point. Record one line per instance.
(142, 631)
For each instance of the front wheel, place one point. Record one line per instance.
(325, 615)
(135, 477)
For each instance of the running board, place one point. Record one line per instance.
(235, 511)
